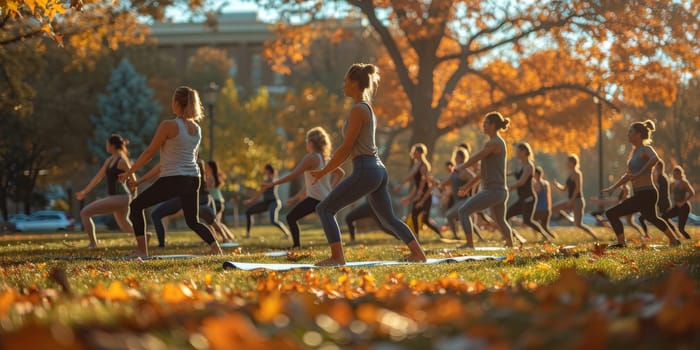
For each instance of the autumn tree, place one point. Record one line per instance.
(540, 63)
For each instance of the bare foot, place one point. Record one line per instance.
(215, 249)
(137, 254)
(331, 262)
(416, 258)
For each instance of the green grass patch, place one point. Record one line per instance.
(91, 298)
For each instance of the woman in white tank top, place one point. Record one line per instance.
(318, 148)
(177, 140)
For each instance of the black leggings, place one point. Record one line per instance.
(184, 187)
(172, 206)
(363, 211)
(642, 220)
(302, 209)
(526, 208)
(682, 213)
(272, 206)
(425, 218)
(643, 201)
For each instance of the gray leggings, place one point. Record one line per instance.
(369, 178)
(495, 199)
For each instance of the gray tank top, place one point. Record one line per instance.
(493, 168)
(178, 154)
(365, 144)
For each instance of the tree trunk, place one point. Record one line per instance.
(424, 129)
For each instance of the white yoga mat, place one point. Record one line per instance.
(285, 267)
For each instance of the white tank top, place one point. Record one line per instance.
(178, 155)
(322, 188)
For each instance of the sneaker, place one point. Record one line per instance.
(617, 246)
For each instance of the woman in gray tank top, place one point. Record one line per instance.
(178, 140)
(369, 176)
(493, 193)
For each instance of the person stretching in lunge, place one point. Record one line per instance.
(369, 176)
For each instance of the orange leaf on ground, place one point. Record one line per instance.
(56, 337)
(176, 293)
(269, 307)
(115, 292)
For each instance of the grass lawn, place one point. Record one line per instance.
(54, 296)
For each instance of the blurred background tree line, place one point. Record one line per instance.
(444, 64)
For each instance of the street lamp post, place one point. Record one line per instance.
(599, 106)
(211, 92)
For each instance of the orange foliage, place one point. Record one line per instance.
(446, 63)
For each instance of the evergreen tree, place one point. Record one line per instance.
(128, 109)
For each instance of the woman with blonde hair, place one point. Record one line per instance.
(318, 151)
(178, 140)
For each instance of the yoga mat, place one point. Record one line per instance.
(285, 267)
(122, 258)
(276, 254)
(229, 245)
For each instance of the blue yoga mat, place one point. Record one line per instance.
(285, 267)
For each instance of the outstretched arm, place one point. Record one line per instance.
(80, 195)
(166, 130)
(489, 147)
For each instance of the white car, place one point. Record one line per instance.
(46, 220)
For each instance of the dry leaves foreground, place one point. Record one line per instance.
(353, 310)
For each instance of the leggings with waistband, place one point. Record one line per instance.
(643, 201)
(369, 178)
(486, 198)
(184, 187)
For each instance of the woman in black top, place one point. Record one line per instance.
(420, 197)
(527, 198)
(574, 201)
(270, 203)
(118, 196)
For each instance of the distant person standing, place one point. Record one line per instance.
(574, 202)
(527, 198)
(270, 202)
(118, 197)
(543, 209)
(420, 197)
(641, 160)
(369, 176)
(682, 193)
(178, 140)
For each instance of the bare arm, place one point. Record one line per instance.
(358, 117)
(154, 172)
(489, 147)
(338, 175)
(623, 180)
(80, 195)
(310, 161)
(166, 130)
(527, 172)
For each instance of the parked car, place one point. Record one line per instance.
(17, 218)
(46, 220)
